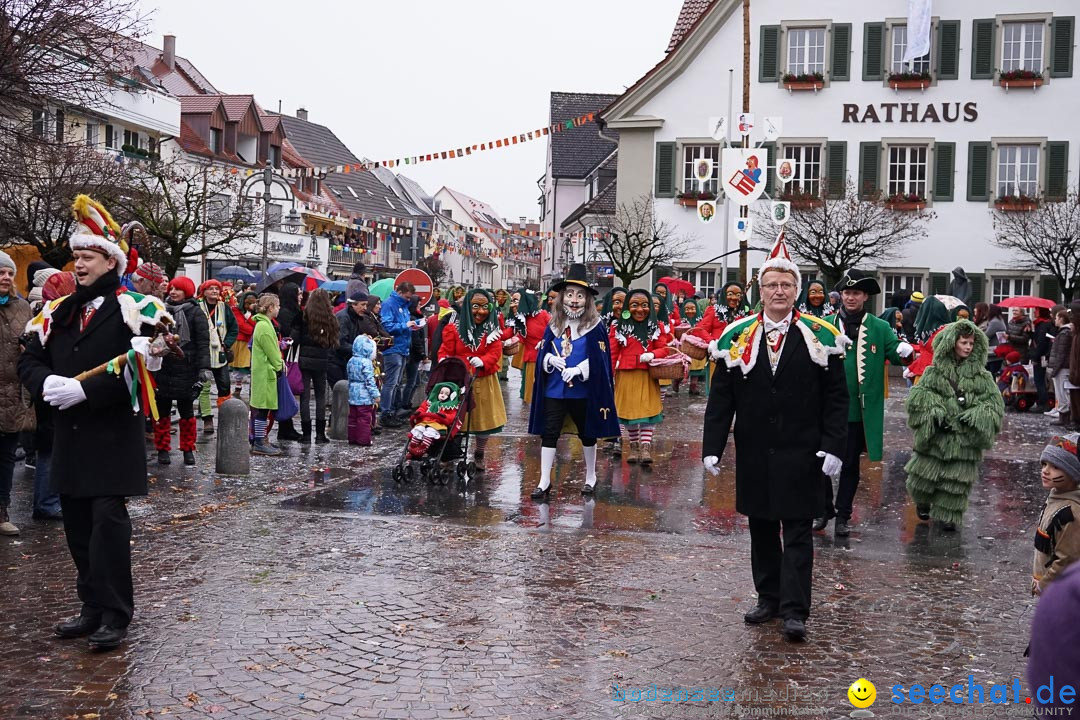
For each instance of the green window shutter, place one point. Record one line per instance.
(978, 185)
(948, 50)
(869, 169)
(666, 169)
(1057, 170)
(939, 283)
(836, 173)
(978, 288)
(769, 56)
(770, 174)
(1062, 31)
(841, 52)
(1049, 288)
(944, 170)
(873, 48)
(982, 49)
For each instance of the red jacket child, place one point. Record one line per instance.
(627, 357)
(489, 350)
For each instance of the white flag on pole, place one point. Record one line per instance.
(918, 30)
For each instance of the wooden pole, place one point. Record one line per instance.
(744, 211)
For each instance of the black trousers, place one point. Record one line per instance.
(555, 412)
(782, 572)
(98, 533)
(849, 475)
(314, 380)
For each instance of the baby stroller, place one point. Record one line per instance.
(448, 446)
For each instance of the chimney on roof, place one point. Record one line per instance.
(168, 54)
(522, 223)
(301, 113)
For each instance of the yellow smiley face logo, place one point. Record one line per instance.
(862, 693)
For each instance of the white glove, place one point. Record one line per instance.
(570, 373)
(904, 350)
(646, 357)
(710, 462)
(714, 350)
(556, 362)
(476, 362)
(62, 392)
(417, 324)
(831, 464)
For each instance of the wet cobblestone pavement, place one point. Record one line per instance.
(320, 588)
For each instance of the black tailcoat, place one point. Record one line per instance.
(781, 422)
(99, 446)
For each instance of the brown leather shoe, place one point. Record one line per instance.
(632, 453)
(645, 458)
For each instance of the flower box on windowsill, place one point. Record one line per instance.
(909, 83)
(803, 202)
(1022, 83)
(797, 86)
(905, 203)
(1016, 204)
(690, 200)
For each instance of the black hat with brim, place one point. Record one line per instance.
(858, 280)
(575, 275)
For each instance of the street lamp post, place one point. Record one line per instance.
(293, 222)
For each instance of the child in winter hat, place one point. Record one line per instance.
(1057, 538)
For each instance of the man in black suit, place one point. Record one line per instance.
(780, 377)
(99, 450)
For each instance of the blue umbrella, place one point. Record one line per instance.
(234, 272)
(335, 285)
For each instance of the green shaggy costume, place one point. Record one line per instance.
(955, 411)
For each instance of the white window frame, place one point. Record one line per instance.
(1021, 164)
(1007, 284)
(928, 164)
(999, 41)
(1000, 142)
(798, 150)
(895, 46)
(92, 135)
(786, 27)
(807, 46)
(889, 276)
(1020, 48)
(691, 151)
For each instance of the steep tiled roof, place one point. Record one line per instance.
(199, 104)
(270, 122)
(481, 212)
(182, 79)
(316, 143)
(691, 11)
(236, 106)
(190, 140)
(575, 152)
(602, 204)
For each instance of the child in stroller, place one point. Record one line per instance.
(435, 418)
(1015, 384)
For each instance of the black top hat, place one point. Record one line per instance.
(858, 280)
(576, 275)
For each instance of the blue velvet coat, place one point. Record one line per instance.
(601, 385)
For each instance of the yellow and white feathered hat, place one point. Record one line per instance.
(96, 230)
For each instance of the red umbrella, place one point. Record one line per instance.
(1026, 301)
(314, 278)
(675, 285)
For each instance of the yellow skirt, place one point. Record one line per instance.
(530, 378)
(241, 355)
(637, 397)
(697, 365)
(489, 414)
(519, 357)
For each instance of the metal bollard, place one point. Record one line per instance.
(339, 411)
(233, 450)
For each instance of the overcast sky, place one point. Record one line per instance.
(399, 77)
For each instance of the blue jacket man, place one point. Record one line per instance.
(397, 322)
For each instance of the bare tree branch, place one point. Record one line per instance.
(637, 242)
(837, 234)
(1046, 239)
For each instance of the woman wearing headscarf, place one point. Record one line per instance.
(636, 339)
(956, 413)
(895, 318)
(932, 317)
(527, 322)
(477, 339)
(671, 310)
(698, 368)
(613, 306)
(502, 302)
(667, 325)
(813, 300)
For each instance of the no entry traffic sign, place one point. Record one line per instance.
(420, 280)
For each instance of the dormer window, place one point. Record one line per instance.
(216, 137)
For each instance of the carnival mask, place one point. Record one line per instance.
(515, 302)
(574, 300)
(444, 394)
(815, 295)
(500, 297)
(617, 302)
(733, 297)
(639, 308)
(480, 309)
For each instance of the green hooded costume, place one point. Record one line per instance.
(472, 334)
(803, 303)
(955, 412)
(607, 312)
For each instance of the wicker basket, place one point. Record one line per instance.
(680, 330)
(674, 371)
(693, 351)
(512, 349)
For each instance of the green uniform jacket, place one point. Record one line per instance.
(864, 366)
(266, 363)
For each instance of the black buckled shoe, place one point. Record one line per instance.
(820, 523)
(794, 630)
(77, 626)
(107, 638)
(761, 614)
(539, 493)
(841, 528)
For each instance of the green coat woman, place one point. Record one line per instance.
(266, 363)
(955, 412)
(864, 366)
